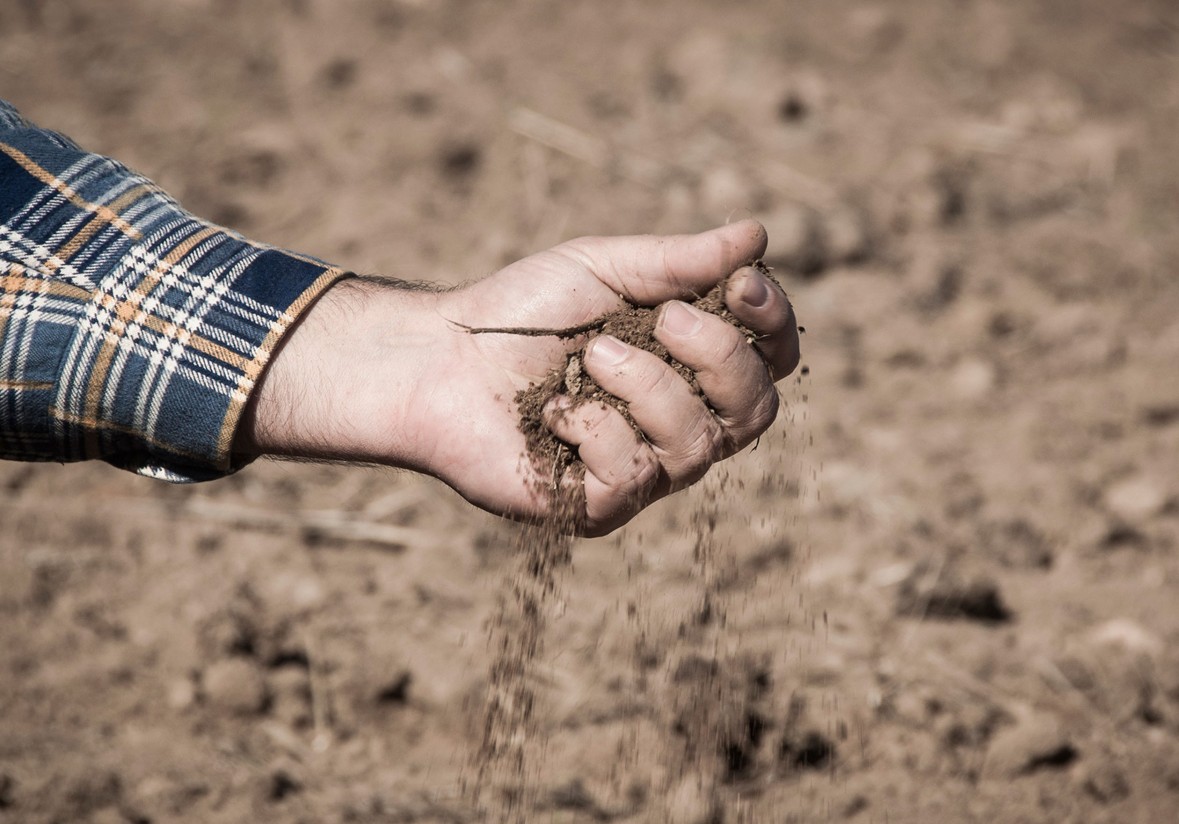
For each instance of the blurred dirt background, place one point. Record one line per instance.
(946, 581)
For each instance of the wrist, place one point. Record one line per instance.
(345, 383)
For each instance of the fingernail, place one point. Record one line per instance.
(609, 350)
(680, 319)
(756, 291)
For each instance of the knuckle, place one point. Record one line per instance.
(752, 422)
(720, 254)
(707, 443)
(598, 417)
(618, 456)
(730, 348)
(630, 469)
(718, 355)
(626, 488)
(578, 251)
(643, 468)
(764, 411)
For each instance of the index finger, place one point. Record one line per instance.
(650, 269)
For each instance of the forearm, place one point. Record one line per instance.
(352, 380)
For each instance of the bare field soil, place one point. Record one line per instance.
(942, 588)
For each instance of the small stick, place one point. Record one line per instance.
(559, 136)
(532, 332)
(320, 718)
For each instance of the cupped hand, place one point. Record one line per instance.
(393, 376)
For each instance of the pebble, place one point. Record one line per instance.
(235, 685)
(292, 593)
(803, 96)
(1135, 499)
(891, 574)
(1129, 635)
(912, 706)
(846, 235)
(973, 378)
(795, 239)
(806, 748)
(1121, 661)
(1036, 742)
(804, 744)
(181, 693)
(282, 782)
(397, 689)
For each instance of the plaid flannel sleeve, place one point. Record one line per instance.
(130, 331)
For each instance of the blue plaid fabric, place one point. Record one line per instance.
(130, 331)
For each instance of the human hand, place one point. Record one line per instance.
(392, 376)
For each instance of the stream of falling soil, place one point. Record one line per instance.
(504, 785)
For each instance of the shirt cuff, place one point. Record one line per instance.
(130, 331)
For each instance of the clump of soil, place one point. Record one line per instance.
(631, 324)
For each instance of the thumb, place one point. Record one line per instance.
(651, 269)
